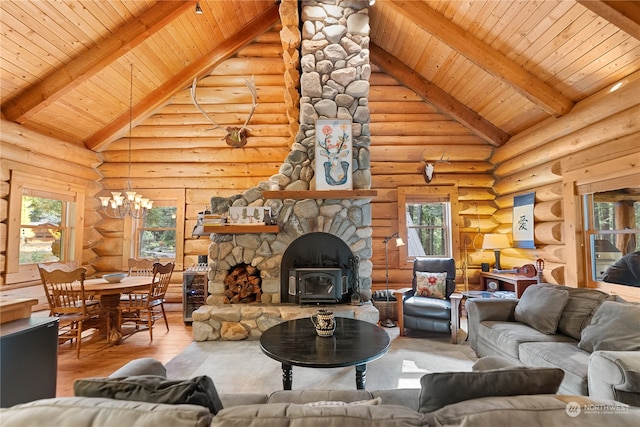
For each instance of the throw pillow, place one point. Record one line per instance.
(444, 388)
(432, 285)
(582, 303)
(153, 389)
(614, 326)
(541, 307)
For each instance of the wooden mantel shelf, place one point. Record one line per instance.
(319, 194)
(241, 229)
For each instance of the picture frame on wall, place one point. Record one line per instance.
(333, 154)
(523, 221)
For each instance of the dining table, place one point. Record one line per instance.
(109, 294)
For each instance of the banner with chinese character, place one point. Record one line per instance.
(523, 221)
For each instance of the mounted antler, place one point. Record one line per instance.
(429, 168)
(236, 136)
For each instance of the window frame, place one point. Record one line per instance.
(160, 197)
(43, 187)
(424, 194)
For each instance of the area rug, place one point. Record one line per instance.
(241, 367)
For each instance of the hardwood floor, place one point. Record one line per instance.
(99, 360)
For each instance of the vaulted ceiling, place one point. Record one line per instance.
(497, 67)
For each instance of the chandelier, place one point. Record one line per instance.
(130, 203)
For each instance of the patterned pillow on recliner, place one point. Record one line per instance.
(431, 285)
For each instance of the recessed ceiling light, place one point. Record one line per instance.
(198, 9)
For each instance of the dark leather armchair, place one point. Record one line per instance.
(430, 314)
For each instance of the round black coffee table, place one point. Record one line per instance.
(354, 343)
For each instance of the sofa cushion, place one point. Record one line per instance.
(582, 303)
(614, 326)
(564, 355)
(539, 410)
(291, 414)
(443, 388)
(541, 307)
(431, 285)
(151, 388)
(85, 411)
(506, 337)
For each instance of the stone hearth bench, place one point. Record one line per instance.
(235, 322)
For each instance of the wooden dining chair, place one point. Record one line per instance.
(68, 302)
(145, 308)
(64, 266)
(141, 266)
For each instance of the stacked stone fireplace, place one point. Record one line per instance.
(334, 83)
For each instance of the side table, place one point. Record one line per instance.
(507, 282)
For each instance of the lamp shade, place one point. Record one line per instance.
(495, 241)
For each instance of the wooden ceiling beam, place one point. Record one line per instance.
(72, 75)
(623, 14)
(436, 96)
(145, 108)
(493, 62)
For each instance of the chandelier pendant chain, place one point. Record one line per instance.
(128, 203)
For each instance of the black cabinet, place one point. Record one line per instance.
(28, 360)
(195, 288)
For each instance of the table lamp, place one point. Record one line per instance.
(388, 323)
(495, 242)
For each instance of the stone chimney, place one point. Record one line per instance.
(334, 84)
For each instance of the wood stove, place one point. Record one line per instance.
(316, 268)
(315, 285)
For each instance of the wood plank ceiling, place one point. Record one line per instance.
(497, 67)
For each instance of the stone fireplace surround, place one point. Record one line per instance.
(334, 84)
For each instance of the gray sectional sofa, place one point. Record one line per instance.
(592, 336)
(493, 394)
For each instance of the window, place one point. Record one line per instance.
(45, 229)
(612, 227)
(161, 233)
(428, 227)
(45, 214)
(156, 235)
(426, 221)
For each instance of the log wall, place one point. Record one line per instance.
(178, 149)
(599, 137)
(406, 133)
(44, 157)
